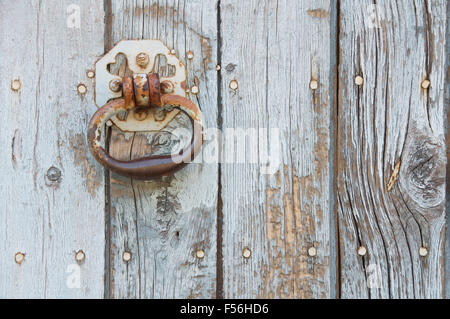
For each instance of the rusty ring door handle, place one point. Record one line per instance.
(152, 166)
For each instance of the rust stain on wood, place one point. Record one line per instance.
(318, 13)
(290, 230)
(79, 147)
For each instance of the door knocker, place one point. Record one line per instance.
(142, 90)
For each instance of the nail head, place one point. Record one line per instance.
(90, 74)
(426, 84)
(194, 89)
(246, 252)
(218, 67)
(312, 251)
(359, 80)
(362, 251)
(200, 253)
(19, 257)
(314, 85)
(190, 55)
(234, 84)
(126, 256)
(81, 88)
(15, 85)
(423, 251)
(80, 256)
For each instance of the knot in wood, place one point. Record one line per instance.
(425, 171)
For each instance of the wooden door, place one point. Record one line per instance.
(346, 99)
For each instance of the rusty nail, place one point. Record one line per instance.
(126, 256)
(166, 87)
(90, 74)
(109, 123)
(312, 251)
(314, 84)
(246, 252)
(80, 256)
(19, 258)
(115, 85)
(362, 251)
(423, 252)
(140, 114)
(359, 80)
(53, 174)
(15, 85)
(426, 84)
(142, 59)
(200, 253)
(190, 55)
(218, 67)
(173, 51)
(81, 88)
(233, 85)
(194, 89)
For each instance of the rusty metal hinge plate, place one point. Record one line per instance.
(152, 120)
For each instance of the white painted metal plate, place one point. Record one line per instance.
(130, 49)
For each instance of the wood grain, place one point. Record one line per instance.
(163, 223)
(391, 121)
(273, 49)
(43, 126)
(447, 110)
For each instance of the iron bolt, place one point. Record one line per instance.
(140, 114)
(166, 87)
(142, 59)
(159, 115)
(115, 85)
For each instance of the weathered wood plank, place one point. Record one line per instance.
(48, 49)
(391, 148)
(164, 223)
(273, 49)
(447, 109)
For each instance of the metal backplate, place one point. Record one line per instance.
(139, 120)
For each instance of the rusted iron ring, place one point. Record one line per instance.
(152, 166)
